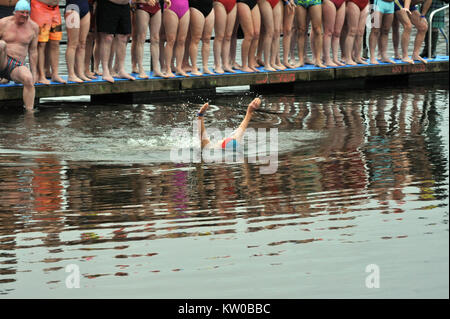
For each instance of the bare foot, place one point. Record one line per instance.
(373, 61)
(254, 69)
(219, 70)
(338, 63)
(236, 66)
(196, 71)
(98, 73)
(43, 80)
(279, 67)
(330, 63)
(203, 108)
(361, 61)
(289, 65)
(125, 75)
(269, 68)
(181, 72)
(408, 60)
(108, 78)
(387, 60)
(169, 74)
(206, 70)
(349, 62)
(74, 79)
(419, 58)
(58, 79)
(4, 81)
(247, 69)
(229, 69)
(142, 75)
(320, 65)
(159, 74)
(84, 77)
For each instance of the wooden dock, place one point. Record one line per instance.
(304, 78)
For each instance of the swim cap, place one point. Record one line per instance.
(22, 5)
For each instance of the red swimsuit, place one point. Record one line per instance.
(337, 3)
(273, 3)
(228, 4)
(360, 3)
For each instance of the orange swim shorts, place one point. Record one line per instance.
(48, 19)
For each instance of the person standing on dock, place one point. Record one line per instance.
(148, 16)
(113, 18)
(47, 15)
(19, 38)
(407, 13)
(381, 25)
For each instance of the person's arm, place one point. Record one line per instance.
(2, 27)
(425, 7)
(33, 52)
(406, 6)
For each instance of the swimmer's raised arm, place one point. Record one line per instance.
(203, 136)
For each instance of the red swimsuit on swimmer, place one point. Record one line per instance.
(338, 3)
(151, 10)
(360, 3)
(273, 3)
(228, 4)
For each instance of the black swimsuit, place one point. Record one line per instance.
(204, 6)
(251, 3)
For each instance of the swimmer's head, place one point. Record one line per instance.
(232, 145)
(22, 5)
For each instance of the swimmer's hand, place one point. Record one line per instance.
(407, 10)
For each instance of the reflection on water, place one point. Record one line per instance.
(362, 179)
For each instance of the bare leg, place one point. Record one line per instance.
(253, 105)
(352, 20)
(54, 61)
(316, 22)
(301, 29)
(155, 29)
(81, 50)
(23, 75)
(41, 64)
(197, 25)
(288, 21)
(142, 20)
(339, 22)
(422, 27)
(385, 28)
(105, 51)
(73, 36)
(206, 41)
(120, 57)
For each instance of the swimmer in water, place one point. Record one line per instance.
(232, 142)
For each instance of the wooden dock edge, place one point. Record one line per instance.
(159, 89)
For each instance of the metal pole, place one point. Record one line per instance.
(430, 27)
